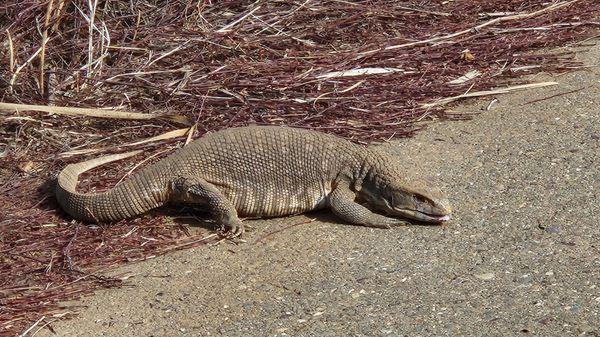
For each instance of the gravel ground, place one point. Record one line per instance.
(520, 258)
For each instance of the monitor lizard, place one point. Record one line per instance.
(264, 171)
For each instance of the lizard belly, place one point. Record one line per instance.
(272, 202)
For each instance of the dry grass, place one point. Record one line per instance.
(365, 70)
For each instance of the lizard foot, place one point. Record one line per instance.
(231, 231)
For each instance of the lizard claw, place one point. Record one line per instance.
(232, 231)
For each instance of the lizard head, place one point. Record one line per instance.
(417, 199)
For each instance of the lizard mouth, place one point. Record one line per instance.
(422, 216)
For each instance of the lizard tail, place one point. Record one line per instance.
(143, 192)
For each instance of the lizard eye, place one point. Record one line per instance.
(419, 199)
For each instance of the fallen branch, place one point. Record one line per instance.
(164, 136)
(90, 112)
(499, 91)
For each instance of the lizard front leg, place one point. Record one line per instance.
(342, 204)
(199, 191)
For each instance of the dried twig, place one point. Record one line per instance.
(18, 70)
(24, 333)
(556, 95)
(477, 28)
(498, 91)
(100, 113)
(228, 27)
(43, 48)
(264, 237)
(164, 136)
(11, 53)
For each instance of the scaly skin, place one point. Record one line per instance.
(263, 171)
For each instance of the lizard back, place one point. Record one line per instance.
(268, 171)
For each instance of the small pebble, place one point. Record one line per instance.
(485, 276)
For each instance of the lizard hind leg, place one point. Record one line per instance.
(199, 191)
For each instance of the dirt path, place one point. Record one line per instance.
(521, 257)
